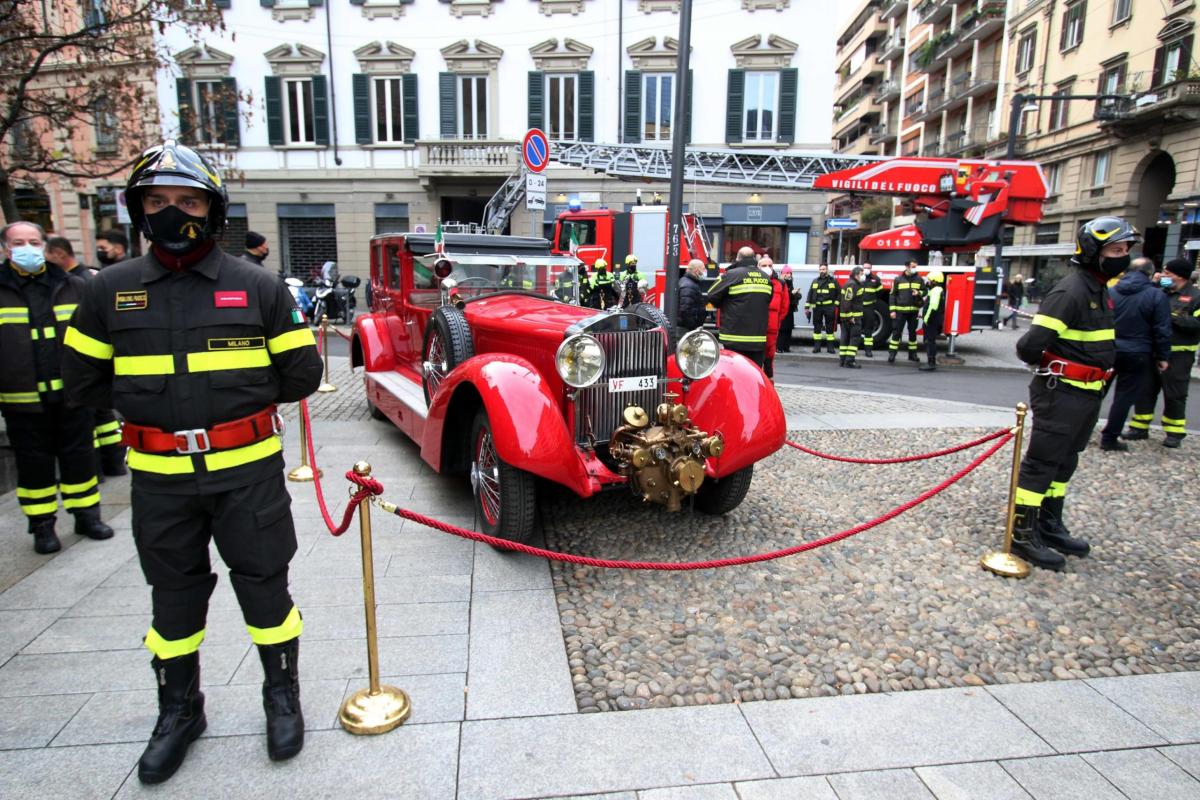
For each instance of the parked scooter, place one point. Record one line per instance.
(303, 301)
(336, 301)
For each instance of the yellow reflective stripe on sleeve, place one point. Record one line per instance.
(1024, 497)
(63, 313)
(82, 343)
(1091, 386)
(1184, 348)
(13, 315)
(105, 427)
(19, 397)
(242, 455)
(228, 359)
(289, 629)
(733, 337)
(172, 648)
(751, 288)
(87, 501)
(1057, 489)
(37, 494)
(40, 509)
(1102, 335)
(301, 337)
(107, 439)
(76, 488)
(143, 365)
(1056, 325)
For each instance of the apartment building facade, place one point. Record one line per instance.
(352, 117)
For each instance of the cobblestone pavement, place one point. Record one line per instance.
(904, 606)
(347, 404)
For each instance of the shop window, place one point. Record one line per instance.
(308, 239)
(763, 239)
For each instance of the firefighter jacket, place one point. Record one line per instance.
(907, 293)
(744, 296)
(1185, 319)
(33, 320)
(630, 280)
(871, 285)
(823, 291)
(185, 351)
(1074, 322)
(933, 302)
(853, 295)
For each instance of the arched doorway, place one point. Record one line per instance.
(1156, 182)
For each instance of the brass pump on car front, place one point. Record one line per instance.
(664, 461)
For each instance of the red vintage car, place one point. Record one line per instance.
(483, 356)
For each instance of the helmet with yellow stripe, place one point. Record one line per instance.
(1097, 233)
(173, 164)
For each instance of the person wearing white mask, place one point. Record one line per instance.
(52, 442)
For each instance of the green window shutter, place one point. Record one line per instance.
(448, 104)
(633, 106)
(586, 97)
(412, 128)
(537, 99)
(789, 83)
(183, 92)
(222, 3)
(274, 97)
(320, 90)
(267, 3)
(361, 84)
(735, 98)
(229, 106)
(687, 110)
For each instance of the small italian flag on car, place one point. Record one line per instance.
(438, 245)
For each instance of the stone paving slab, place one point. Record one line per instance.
(547, 756)
(334, 659)
(434, 698)
(1061, 778)
(83, 773)
(1144, 775)
(409, 619)
(891, 784)
(518, 665)
(1073, 717)
(970, 781)
(70, 576)
(1167, 704)
(125, 632)
(497, 571)
(19, 628)
(1186, 756)
(34, 721)
(711, 791)
(786, 789)
(348, 591)
(870, 732)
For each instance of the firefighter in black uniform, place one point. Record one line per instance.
(1072, 346)
(194, 348)
(52, 442)
(743, 295)
(851, 314)
(820, 306)
(604, 286)
(904, 306)
(1185, 340)
(871, 284)
(631, 282)
(933, 313)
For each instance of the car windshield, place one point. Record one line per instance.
(554, 277)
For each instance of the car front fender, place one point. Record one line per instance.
(371, 346)
(739, 402)
(527, 423)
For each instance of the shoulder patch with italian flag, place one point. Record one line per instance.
(297, 317)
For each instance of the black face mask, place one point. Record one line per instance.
(104, 258)
(176, 231)
(1112, 267)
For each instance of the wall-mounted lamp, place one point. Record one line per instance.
(562, 198)
(303, 196)
(754, 198)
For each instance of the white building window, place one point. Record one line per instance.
(762, 107)
(562, 107)
(1072, 25)
(208, 98)
(298, 111)
(658, 105)
(107, 126)
(1054, 177)
(1026, 50)
(1122, 10)
(388, 111)
(472, 107)
(1100, 163)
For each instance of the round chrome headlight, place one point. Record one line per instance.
(697, 354)
(579, 361)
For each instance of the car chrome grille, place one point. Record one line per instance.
(627, 354)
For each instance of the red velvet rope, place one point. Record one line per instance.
(367, 486)
(345, 336)
(723, 562)
(902, 459)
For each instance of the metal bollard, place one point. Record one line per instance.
(1005, 563)
(303, 473)
(325, 386)
(376, 709)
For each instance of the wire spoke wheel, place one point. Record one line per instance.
(505, 496)
(485, 474)
(435, 363)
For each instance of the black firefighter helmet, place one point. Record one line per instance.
(173, 164)
(1095, 234)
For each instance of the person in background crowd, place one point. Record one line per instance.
(743, 294)
(112, 246)
(60, 253)
(1071, 346)
(51, 439)
(851, 316)
(585, 285)
(1014, 294)
(871, 284)
(691, 297)
(776, 313)
(789, 320)
(932, 313)
(564, 287)
(604, 286)
(257, 249)
(1173, 378)
(904, 306)
(1142, 320)
(223, 482)
(819, 307)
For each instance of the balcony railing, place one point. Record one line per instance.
(886, 91)
(934, 10)
(1178, 102)
(892, 47)
(915, 108)
(892, 8)
(879, 133)
(932, 149)
(979, 24)
(453, 156)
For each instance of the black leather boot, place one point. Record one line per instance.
(817, 347)
(112, 460)
(45, 540)
(1055, 533)
(929, 366)
(913, 356)
(1135, 434)
(1027, 541)
(180, 717)
(851, 364)
(829, 348)
(281, 698)
(891, 356)
(87, 523)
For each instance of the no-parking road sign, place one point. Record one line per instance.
(536, 150)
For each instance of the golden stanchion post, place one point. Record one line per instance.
(303, 473)
(376, 709)
(325, 386)
(1005, 563)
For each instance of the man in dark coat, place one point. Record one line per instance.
(691, 297)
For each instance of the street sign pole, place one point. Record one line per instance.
(675, 198)
(535, 151)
